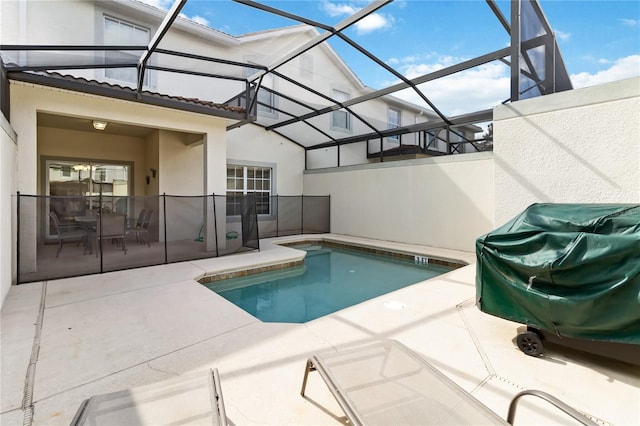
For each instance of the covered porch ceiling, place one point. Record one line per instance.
(299, 105)
(85, 124)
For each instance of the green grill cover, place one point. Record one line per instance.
(569, 269)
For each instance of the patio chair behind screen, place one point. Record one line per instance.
(111, 227)
(141, 227)
(69, 232)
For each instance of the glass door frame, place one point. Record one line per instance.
(47, 161)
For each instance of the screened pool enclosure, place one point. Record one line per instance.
(282, 89)
(311, 83)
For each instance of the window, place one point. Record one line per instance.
(340, 119)
(266, 98)
(121, 33)
(87, 179)
(78, 187)
(393, 122)
(242, 180)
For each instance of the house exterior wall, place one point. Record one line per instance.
(180, 165)
(180, 172)
(579, 146)
(28, 99)
(191, 86)
(152, 160)
(442, 202)
(352, 154)
(46, 21)
(8, 155)
(254, 145)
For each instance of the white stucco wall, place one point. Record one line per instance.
(443, 202)
(8, 154)
(180, 172)
(253, 145)
(580, 146)
(34, 21)
(181, 165)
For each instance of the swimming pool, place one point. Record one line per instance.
(331, 279)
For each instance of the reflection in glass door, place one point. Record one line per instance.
(82, 185)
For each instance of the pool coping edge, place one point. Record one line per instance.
(380, 249)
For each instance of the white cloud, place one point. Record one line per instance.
(200, 20)
(374, 22)
(197, 19)
(334, 9)
(160, 4)
(488, 85)
(630, 22)
(621, 69)
(412, 59)
(561, 35)
(414, 65)
(476, 89)
(166, 4)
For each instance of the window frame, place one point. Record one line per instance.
(270, 82)
(245, 190)
(390, 125)
(336, 95)
(46, 161)
(106, 71)
(270, 111)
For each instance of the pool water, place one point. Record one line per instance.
(330, 279)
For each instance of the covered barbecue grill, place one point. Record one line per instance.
(571, 273)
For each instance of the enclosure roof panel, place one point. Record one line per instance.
(312, 77)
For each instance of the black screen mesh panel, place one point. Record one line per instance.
(66, 236)
(249, 219)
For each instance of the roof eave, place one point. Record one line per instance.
(126, 95)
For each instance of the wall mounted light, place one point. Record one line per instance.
(99, 125)
(153, 172)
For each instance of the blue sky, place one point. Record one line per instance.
(599, 39)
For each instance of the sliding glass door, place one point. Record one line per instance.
(76, 188)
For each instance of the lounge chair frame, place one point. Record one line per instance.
(91, 409)
(461, 402)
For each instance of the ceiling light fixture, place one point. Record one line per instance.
(99, 125)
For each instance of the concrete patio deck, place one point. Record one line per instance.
(102, 333)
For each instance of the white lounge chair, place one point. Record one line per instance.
(190, 399)
(388, 384)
